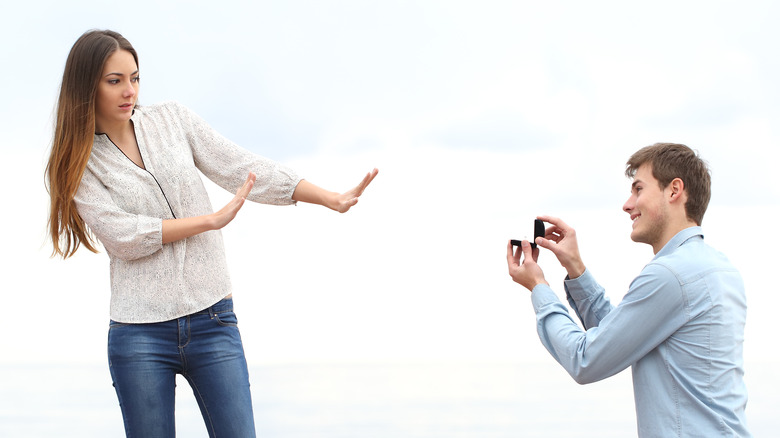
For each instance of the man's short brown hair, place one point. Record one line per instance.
(670, 161)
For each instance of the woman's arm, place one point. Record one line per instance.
(341, 202)
(177, 229)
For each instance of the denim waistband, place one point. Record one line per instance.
(224, 305)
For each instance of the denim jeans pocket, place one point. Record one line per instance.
(226, 319)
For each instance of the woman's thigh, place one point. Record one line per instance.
(144, 361)
(215, 367)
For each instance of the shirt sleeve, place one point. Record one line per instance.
(124, 235)
(588, 299)
(228, 165)
(650, 312)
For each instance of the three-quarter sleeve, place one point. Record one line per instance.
(228, 165)
(125, 235)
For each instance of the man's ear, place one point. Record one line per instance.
(677, 190)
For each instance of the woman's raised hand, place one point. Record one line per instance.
(182, 228)
(346, 200)
(341, 202)
(228, 212)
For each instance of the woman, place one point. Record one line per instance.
(128, 176)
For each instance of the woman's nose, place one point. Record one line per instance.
(130, 90)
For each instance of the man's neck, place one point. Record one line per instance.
(671, 230)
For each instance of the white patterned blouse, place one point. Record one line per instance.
(124, 206)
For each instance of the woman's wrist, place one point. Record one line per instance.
(332, 200)
(312, 194)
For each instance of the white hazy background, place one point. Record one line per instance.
(480, 115)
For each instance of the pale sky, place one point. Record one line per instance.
(480, 115)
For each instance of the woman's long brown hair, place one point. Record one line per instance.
(74, 131)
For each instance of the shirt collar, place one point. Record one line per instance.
(679, 239)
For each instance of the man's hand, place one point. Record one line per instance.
(561, 240)
(528, 273)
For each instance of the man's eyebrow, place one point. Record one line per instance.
(636, 181)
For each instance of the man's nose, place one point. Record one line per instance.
(629, 205)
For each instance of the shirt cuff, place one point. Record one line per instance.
(578, 288)
(542, 296)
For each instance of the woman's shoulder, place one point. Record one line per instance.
(167, 107)
(168, 113)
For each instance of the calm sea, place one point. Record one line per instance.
(430, 400)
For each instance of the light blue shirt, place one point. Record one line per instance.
(680, 327)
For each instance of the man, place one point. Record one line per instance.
(681, 324)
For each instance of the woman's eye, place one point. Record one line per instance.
(136, 79)
(113, 81)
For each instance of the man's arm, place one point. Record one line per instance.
(561, 240)
(617, 337)
(651, 311)
(588, 299)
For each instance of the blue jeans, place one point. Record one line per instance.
(206, 349)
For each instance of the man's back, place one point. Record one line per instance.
(691, 384)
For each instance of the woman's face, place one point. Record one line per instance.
(117, 91)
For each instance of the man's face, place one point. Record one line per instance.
(648, 209)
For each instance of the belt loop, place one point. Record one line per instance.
(211, 312)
